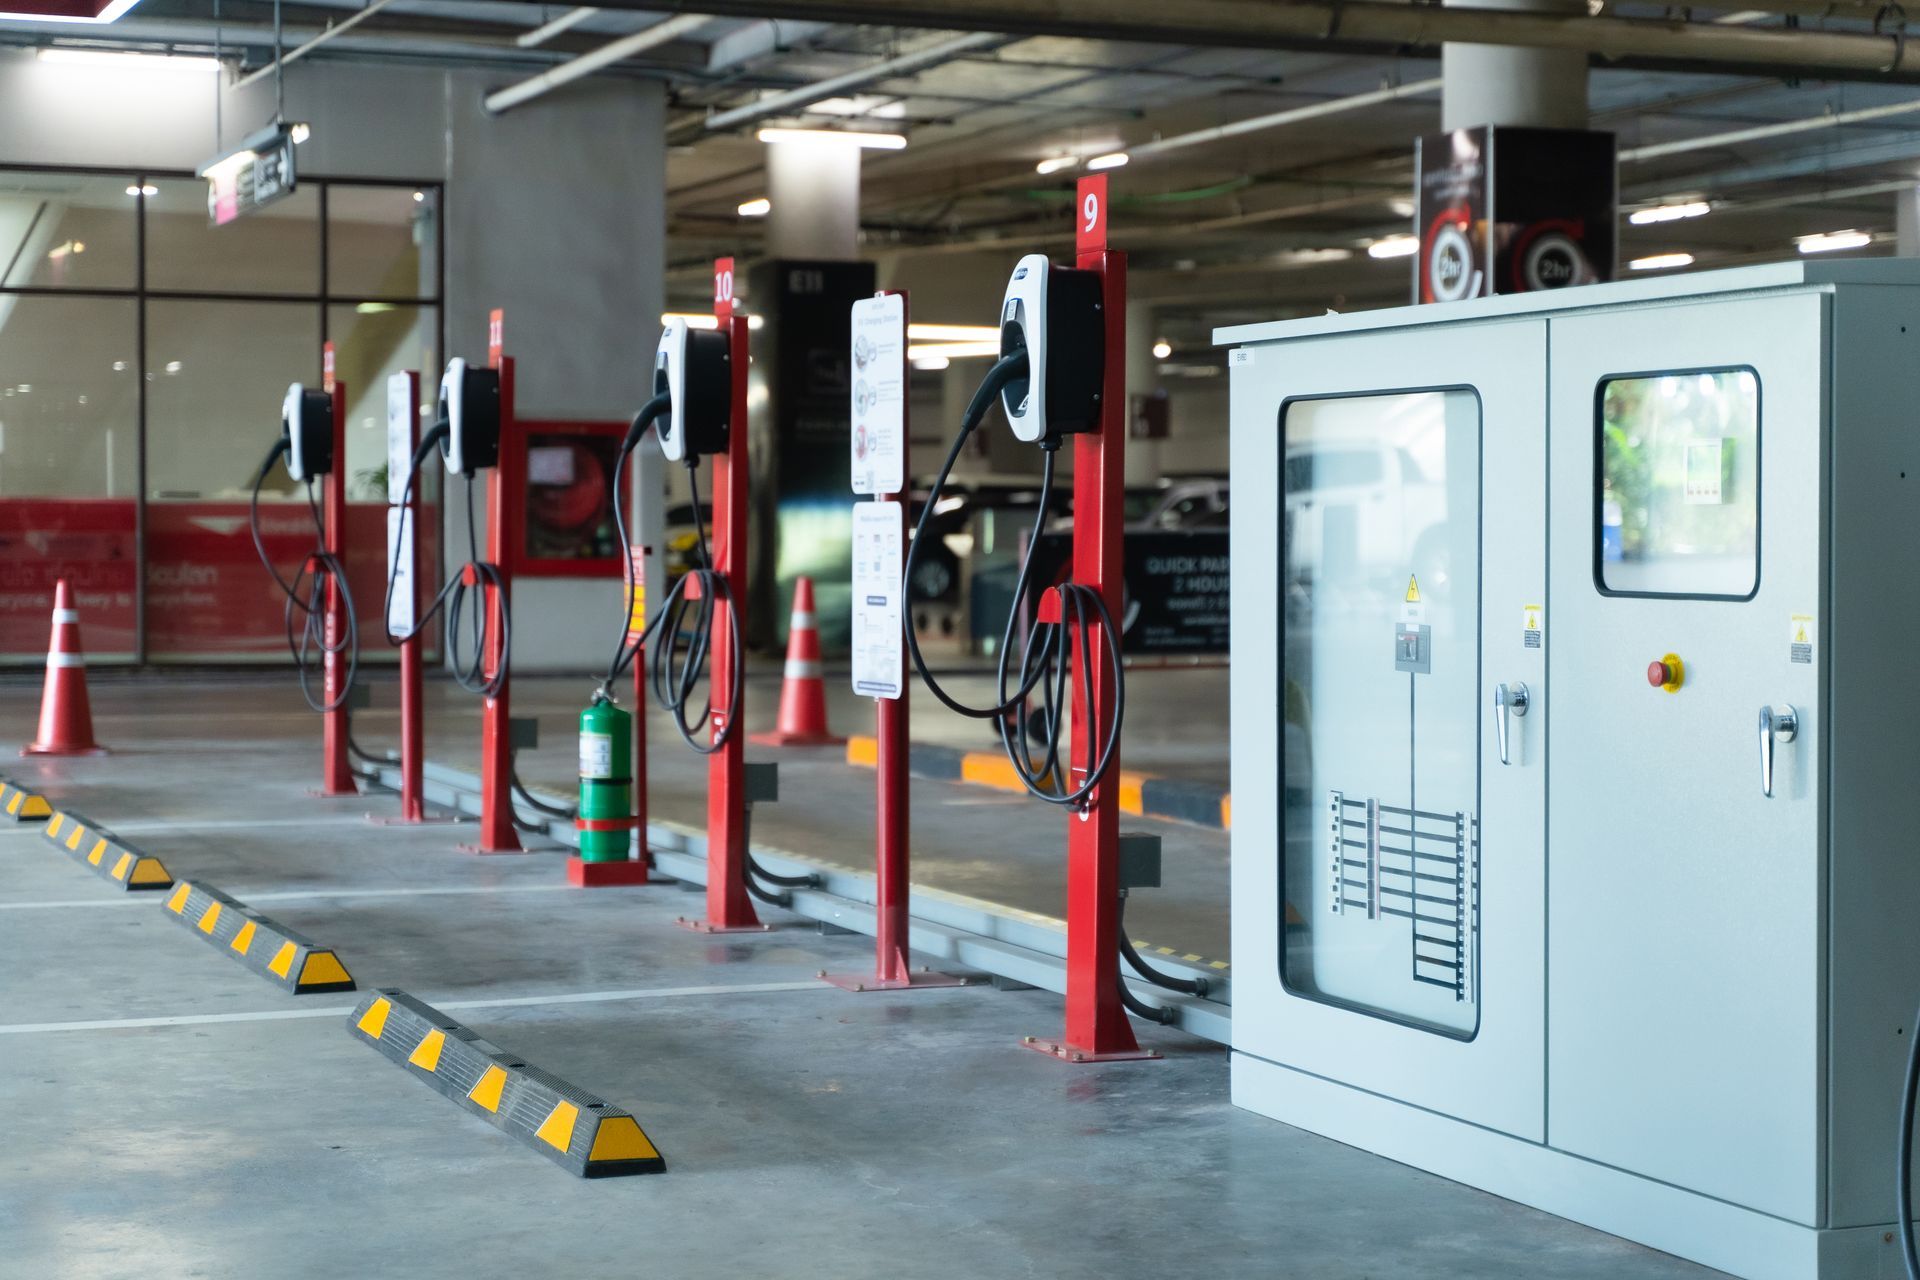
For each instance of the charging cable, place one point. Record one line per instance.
(462, 596)
(305, 609)
(1046, 653)
(685, 619)
(1903, 1177)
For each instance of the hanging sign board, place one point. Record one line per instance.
(879, 394)
(256, 175)
(879, 534)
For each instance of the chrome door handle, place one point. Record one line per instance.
(1508, 697)
(1777, 724)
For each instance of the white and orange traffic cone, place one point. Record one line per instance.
(803, 694)
(66, 717)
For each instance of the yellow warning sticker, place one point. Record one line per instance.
(1411, 607)
(1413, 589)
(1800, 633)
(1533, 625)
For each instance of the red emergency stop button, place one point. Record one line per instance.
(1657, 674)
(1667, 673)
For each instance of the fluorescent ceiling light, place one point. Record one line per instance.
(756, 208)
(1111, 160)
(1828, 241)
(1661, 262)
(1669, 212)
(1054, 164)
(1162, 349)
(112, 12)
(704, 319)
(952, 350)
(115, 60)
(841, 137)
(933, 364)
(148, 190)
(1394, 247)
(953, 332)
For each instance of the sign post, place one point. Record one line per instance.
(880, 618)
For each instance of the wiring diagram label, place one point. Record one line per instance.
(879, 394)
(879, 537)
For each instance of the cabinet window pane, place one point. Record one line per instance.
(65, 230)
(1679, 501)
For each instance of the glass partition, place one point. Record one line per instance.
(67, 231)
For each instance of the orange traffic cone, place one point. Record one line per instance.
(803, 695)
(66, 717)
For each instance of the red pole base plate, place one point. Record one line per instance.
(1067, 1053)
(774, 738)
(701, 926)
(921, 980)
(35, 749)
(595, 875)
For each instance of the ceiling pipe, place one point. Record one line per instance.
(588, 63)
(302, 50)
(1364, 23)
(834, 86)
(1708, 141)
(1294, 115)
(565, 22)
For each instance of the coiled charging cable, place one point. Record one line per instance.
(462, 596)
(1046, 653)
(305, 608)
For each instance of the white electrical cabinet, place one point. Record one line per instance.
(1575, 849)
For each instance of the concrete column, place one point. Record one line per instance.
(1495, 84)
(815, 189)
(1145, 458)
(1906, 221)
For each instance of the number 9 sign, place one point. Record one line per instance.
(1090, 226)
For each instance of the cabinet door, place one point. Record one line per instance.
(1685, 886)
(1389, 579)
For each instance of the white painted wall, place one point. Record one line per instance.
(553, 212)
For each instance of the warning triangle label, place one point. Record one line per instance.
(1413, 589)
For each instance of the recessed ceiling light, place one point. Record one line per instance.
(1111, 160)
(1162, 349)
(1054, 164)
(115, 60)
(1828, 241)
(1661, 262)
(836, 137)
(1393, 247)
(147, 190)
(759, 208)
(1669, 212)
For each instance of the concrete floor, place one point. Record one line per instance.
(168, 1113)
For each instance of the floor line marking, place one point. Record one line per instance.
(296, 895)
(342, 1010)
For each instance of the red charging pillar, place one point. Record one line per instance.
(891, 922)
(729, 909)
(413, 807)
(504, 492)
(1097, 1029)
(336, 770)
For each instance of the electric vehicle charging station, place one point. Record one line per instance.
(313, 445)
(1572, 855)
(1061, 374)
(403, 603)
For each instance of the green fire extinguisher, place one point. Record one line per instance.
(606, 778)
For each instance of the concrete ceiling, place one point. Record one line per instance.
(1266, 224)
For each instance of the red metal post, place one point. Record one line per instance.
(1097, 1028)
(336, 770)
(729, 909)
(412, 730)
(504, 491)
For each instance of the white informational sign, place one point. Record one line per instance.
(400, 411)
(399, 435)
(878, 541)
(879, 394)
(400, 551)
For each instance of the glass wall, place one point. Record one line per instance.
(144, 355)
